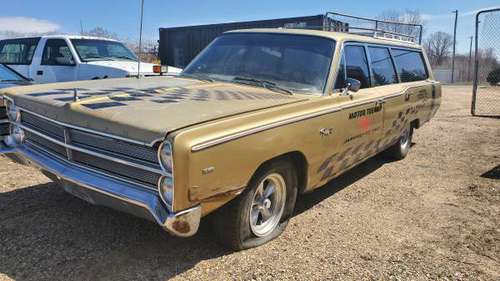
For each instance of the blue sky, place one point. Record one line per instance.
(121, 16)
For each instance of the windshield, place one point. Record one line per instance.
(293, 62)
(93, 50)
(7, 75)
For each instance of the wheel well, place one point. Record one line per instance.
(300, 163)
(415, 124)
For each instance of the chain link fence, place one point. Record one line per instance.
(486, 89)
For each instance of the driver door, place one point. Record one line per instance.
(57, 63)
(362, 111)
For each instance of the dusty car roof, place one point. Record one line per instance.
(338, 36)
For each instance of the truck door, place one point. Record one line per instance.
(18, 54)
(56, 63)
(362, 110)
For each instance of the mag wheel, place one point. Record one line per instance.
(262, 211)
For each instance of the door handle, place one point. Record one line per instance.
(39, 72)
(379, 102)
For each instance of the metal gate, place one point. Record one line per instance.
(486, 88)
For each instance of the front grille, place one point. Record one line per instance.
(4, 129)
(118, 158)
(3, 112)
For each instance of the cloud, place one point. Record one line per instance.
(26, 25)
(428, 17)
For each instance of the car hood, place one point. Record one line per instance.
(126, 65)
(143, 109)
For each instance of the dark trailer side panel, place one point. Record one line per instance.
(179, 45)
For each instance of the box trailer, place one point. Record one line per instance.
(179, 45)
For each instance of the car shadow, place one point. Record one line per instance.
(308, 200)
(47, 234)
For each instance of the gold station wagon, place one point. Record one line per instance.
(257, 118)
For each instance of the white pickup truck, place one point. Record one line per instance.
(59, 58)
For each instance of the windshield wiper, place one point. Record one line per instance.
(94, 58)
(197, 77)
(123, 57)
(263, 83)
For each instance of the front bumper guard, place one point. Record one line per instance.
(106, 191)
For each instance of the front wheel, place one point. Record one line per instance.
(262, 211)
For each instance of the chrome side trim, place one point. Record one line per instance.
(91, 131)
(3, 121)
(96, 154)
(276, 124)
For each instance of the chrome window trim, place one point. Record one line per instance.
(89, 130)
(49, 154)
(276, 124)
(96, 154)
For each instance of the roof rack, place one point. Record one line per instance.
(384, 29)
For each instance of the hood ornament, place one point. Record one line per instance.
(75, 95)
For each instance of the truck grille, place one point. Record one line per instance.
(128, 161)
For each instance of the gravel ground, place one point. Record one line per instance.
(432, 216)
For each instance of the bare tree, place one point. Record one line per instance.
(408, 17)
(100, 32)
(438, 47)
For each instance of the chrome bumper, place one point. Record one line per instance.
(106, 191)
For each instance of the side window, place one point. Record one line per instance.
(383, 72)
(56, 52)
(410, 65)
(354, 64)
(17, 51)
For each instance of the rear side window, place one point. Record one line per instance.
(383, 72)
(17, 51)
(354, 64)
(56, 52)
(410, 65)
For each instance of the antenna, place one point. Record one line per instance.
(140, 43)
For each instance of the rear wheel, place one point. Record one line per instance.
(400, 149)
(262, 211)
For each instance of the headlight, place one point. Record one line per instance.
(166, 162)
(16, 136)
(13, 112)
(166, 190)
(166, 182)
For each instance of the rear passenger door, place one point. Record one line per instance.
(18, 54)
(410, 100)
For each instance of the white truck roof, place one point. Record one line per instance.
(64, 36)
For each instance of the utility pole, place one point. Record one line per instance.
(470, 59)
(140, 43)
(454, 47)
(81, 27)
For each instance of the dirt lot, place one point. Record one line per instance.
(434, 215)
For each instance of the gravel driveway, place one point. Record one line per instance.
(434, 215)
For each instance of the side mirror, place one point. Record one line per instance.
(351, 84)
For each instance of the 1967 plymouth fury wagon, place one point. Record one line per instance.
(257, 118)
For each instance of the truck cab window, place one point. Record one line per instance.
(56, 52)
(17, 51)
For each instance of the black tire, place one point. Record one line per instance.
(231, 223)
(400, 149)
